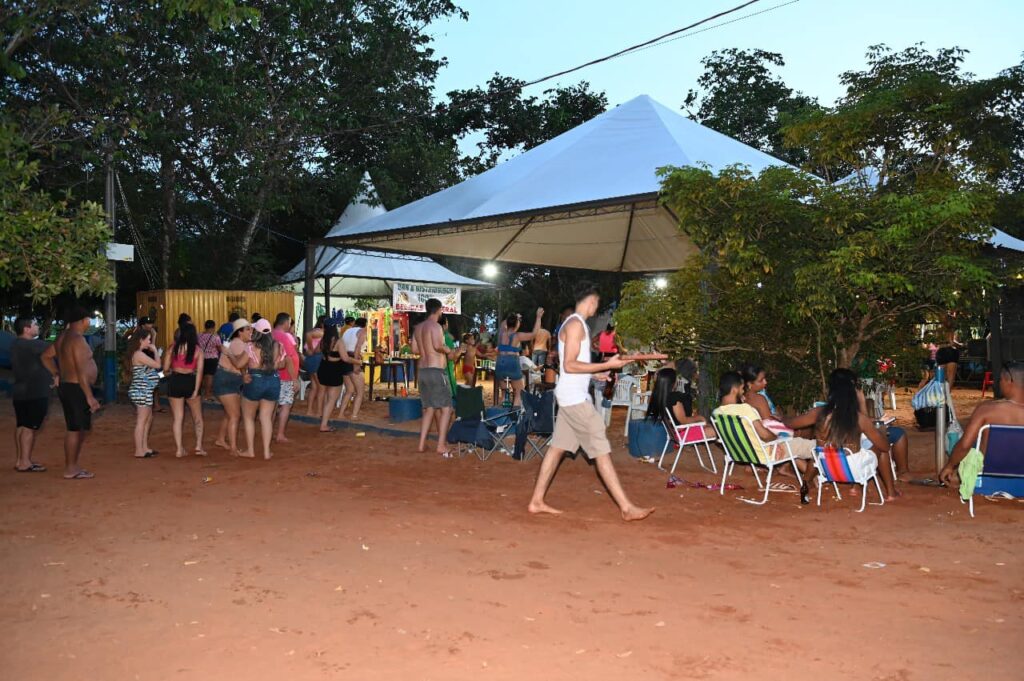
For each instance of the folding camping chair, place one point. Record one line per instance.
(1003, 468)
(684, 435)
(538, 421)
(743, 446)
(481, 434)
(834, 467)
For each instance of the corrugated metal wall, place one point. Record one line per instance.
(165, 305)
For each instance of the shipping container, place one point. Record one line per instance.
(165, 305)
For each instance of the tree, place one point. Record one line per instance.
(801, 273)
(740, 97)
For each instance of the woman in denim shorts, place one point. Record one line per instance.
(227, 383)
(260, 393)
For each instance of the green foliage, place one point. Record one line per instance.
(49, 244)
(741, 97)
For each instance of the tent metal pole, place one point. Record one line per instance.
(511, 241)
(629, 233)
(327, 296)
(308, 304)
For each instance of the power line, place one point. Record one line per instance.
(647, 44)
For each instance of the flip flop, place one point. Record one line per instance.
(446, 455)
(782, 487)
(202, 452)
(330, 429)
(148, 455)
(80, 475)
(34, 468)
(999, 496)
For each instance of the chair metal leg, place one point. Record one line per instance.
(711, 459)
(676, 462)
(820, 485)
(767, 489)
(664, 450)
(863, 497)
(726, 466)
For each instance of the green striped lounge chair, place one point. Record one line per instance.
(743, 446)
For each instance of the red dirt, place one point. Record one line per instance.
(393, 565)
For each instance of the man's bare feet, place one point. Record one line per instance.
(636, 513)
(247, 454)
(222, 444)
(281, 438)
(181, 454)
(267, 456)
(541, 507)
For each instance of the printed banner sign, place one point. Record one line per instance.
(413, 297)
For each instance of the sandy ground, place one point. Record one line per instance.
(356, 558)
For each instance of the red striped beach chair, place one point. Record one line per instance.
(834, 467)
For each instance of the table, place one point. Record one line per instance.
(393, 363)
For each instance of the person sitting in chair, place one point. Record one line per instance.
(1008, 411)
(665, 396)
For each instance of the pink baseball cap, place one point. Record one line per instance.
(263, 326)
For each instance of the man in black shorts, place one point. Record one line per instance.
(32, 384)
(77, 374)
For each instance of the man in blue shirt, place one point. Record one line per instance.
(227, 328)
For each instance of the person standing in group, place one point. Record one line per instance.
(31, 393)
(578, 423)
(211, 346)
(432, 372)
(227, 329)
(262, 392)
(184, 319)
(353, 343)
(541, 340)
(227, 383)
(184, 368)
(311, 352)
(607, 343)
(469, 342)
(77, 374)
(289, 373)
(145, 372)
(449, 342)
(509, 341)
(146, 324)
(331, 373)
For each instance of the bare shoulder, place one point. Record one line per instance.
(999, 412)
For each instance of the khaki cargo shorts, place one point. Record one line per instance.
(581, 426)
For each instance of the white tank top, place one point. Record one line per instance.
(573, 388)
(348, 339)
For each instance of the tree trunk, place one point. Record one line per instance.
(169, 232)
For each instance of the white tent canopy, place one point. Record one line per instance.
(354, 273)
(585, 199)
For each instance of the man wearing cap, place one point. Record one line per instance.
(228, 327)
(77, 374)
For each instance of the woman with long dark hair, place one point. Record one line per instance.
(665, 396)
(842, 424)
(183, 365)
(755, 393)
(332, 372)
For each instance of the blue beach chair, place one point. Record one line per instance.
(1003, 471)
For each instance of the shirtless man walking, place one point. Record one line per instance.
(1008, 411)
(578, 424)
(432, 376)
(72, 354)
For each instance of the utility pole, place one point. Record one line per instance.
(110, 310)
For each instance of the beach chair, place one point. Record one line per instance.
(473, 431)
(684, 435)
(834, 467)
(1003, 470)
(743, 446)
(536, 425)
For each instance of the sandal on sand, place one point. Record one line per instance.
(201, 452)
(80, 475)
(330, 429)
(33, 468)
(782, 487)
(446, 455)
(148, 455)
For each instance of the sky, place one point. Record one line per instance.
(819, 39)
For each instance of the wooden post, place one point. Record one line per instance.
(308, 302)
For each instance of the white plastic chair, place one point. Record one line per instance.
(625, 387)
(680, 434)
